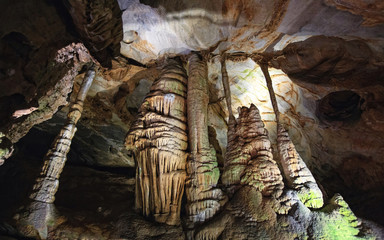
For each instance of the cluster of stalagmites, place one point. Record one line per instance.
(251, 176)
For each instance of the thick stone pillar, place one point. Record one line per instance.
(159, 141)
(204, 197)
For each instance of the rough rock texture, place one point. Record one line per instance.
(6, 148)
(159, 142)
(99, 26)
(47, 184)
(252, 214)
(159, 28)
(54, 93)
(372, 11)
(330, 95)
(204, 198)
(333, 61)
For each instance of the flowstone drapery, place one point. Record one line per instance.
(159, 142)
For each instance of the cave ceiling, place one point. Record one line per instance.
(325, 59)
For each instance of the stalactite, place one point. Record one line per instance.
(204, 198)
(227, 90)
(249, 159)
(48, 182)
(159, 142)
(295, 170)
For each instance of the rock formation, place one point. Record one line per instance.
(204, 198)
(249, 159)
(159, 143)
(295, 170)
(48, 182)
(99, 25)
(57, 82)
(174, 161)
(35, 219)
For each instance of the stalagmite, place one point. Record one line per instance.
(295, 170)
(203, 196)
(48, 182)
(35, 218)
(249, 159)
(159, 142)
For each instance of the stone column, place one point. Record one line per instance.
(204, 197)
(159, 141)
(34, 220)
(47, 183)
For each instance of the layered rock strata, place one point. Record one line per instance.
(159, 141)
(204, 198)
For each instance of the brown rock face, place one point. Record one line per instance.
(321, 59)
(371, 11)
(57, 82)
(159, 142)
(99, 25)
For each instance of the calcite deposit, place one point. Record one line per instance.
(204, 197)
(158, 140)
(225, 119)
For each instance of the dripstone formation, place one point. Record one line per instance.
(196, 119)
(204, 197)
(159, 142)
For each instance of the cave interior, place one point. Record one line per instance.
(192, 119)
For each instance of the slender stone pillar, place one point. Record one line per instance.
(204, 198)
(35, 219)
(159, 141)
(227, 90)
(47, 183)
